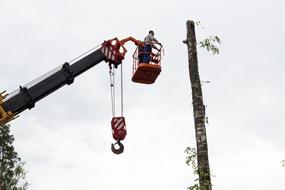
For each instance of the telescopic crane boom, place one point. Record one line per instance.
(111, 51)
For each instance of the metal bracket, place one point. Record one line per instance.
(69, 74)
(30, 101)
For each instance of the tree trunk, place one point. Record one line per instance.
(199, 110)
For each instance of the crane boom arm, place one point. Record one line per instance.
(27, 97)
(111, 51)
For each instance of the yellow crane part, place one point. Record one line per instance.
(5, 116)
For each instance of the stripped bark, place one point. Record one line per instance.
(199, 110)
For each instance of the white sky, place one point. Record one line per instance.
(65, 140)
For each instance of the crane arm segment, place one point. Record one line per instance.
(111, 51)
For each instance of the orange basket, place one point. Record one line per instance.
(146, 73)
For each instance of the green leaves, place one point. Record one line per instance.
(218, 39)
(210, 44)
(194, 187)
(191, 157)
(191, 160)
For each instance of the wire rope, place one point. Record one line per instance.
(122, 92)
(112, 86)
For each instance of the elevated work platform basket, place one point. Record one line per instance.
(146, 73)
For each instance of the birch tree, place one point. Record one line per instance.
(203, 168)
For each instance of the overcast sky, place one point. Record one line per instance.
(65, 140)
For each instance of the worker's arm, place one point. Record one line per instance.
(154, 46)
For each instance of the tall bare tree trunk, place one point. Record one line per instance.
(199, 110)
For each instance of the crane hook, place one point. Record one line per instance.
(119, 150)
